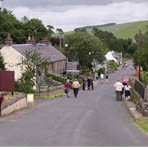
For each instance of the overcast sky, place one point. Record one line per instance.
(70, 14)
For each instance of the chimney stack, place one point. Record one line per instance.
(45, 40)
(31, 40)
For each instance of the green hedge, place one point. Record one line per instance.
(113, 65)
(57, 77)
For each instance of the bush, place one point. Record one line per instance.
(23, 87)
(57, 77)
(113, 65)
(101, 70)
(144, 77)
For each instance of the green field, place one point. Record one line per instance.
(126, 30)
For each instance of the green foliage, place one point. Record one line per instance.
(125, 30)
(57, 77)
(32, 62)
(36, 28)
(119, 45)
(101, 70)
(70, 76)
(9, 23)
(141, 57)
(85, 70)
(144, 77)
(20, 29)
(25, 83)
(143, 124)
(113, 65)
(84, 47)
(2, 64)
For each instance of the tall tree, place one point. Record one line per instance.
(35, 27)
(50, 30)
(9, 23)
(25, 19)
(60, 33)
(84, 47)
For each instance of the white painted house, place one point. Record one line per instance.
(111, 55)
(13, 55)
(11, 59)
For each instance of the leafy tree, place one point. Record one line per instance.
(60, 32)
(141, 57)
(50, 30)
(119, 45)
(80, 30)
(36, 28)
(84, 47)
(33, 62)
(9, 23)
(25, 19)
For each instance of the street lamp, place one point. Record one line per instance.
(66, 46)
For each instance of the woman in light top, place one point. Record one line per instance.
(76, 85)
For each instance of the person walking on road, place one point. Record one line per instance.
(84, 83)
(67, 88)
(102, 77)
(88, 83)
(106, 76)
(76, 85)
(92, 83)
(127, 88)
(118, 90)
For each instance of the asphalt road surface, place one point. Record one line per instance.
(92, 119)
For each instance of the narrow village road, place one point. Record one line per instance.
(93, 119)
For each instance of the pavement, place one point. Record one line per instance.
(132, 109)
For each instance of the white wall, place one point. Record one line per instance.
(12, 58)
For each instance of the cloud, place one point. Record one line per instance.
(50, 3)
(75, 16)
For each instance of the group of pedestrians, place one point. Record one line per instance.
(87, 83)
(75, 86)
(121, 89)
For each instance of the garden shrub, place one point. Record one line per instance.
(113, 65)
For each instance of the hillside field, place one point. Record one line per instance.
(126, 30)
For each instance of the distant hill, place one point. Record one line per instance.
(125, 30)
(98, 26)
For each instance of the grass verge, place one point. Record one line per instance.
(142, 124)
(50, 95)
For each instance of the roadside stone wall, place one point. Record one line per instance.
(21, 104)
(14, 104)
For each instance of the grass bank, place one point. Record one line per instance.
(142, 123)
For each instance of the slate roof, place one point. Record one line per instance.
(46, 51)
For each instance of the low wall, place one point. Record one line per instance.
(22, 103)
(16, 103)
